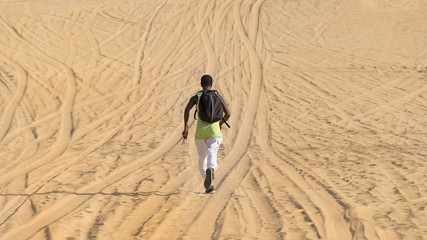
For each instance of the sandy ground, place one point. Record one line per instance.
(329, 126)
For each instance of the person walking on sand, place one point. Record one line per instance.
(213, 112)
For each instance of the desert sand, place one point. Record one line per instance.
(328, 136)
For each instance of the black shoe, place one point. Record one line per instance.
(209, 178)
(210, 190)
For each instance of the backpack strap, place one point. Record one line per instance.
(199, 94)
(216, 92)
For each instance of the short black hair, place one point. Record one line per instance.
(206, 81)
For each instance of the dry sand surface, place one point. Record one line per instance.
(328, 136)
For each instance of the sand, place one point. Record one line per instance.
(328, 136)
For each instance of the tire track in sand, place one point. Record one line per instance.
(9, 112)
(140, 221)
(235, 162)
(238, 165)
(143, 42)
(335, 223)
(311, 197)
(211, 65)
(70, 203)
(66, 122)
(108, 136)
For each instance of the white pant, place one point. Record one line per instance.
(208, 149)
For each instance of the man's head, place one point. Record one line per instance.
(206, 81)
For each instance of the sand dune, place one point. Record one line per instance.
(329, 126)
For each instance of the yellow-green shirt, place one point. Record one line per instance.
(206, 130)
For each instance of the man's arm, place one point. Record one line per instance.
(190, 105)
(227, 112)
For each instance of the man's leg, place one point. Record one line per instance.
(203, 153)
(212, 146)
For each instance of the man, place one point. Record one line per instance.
(208, 135)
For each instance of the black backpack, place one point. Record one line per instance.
(209, 106)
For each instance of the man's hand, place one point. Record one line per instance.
(185, 133)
